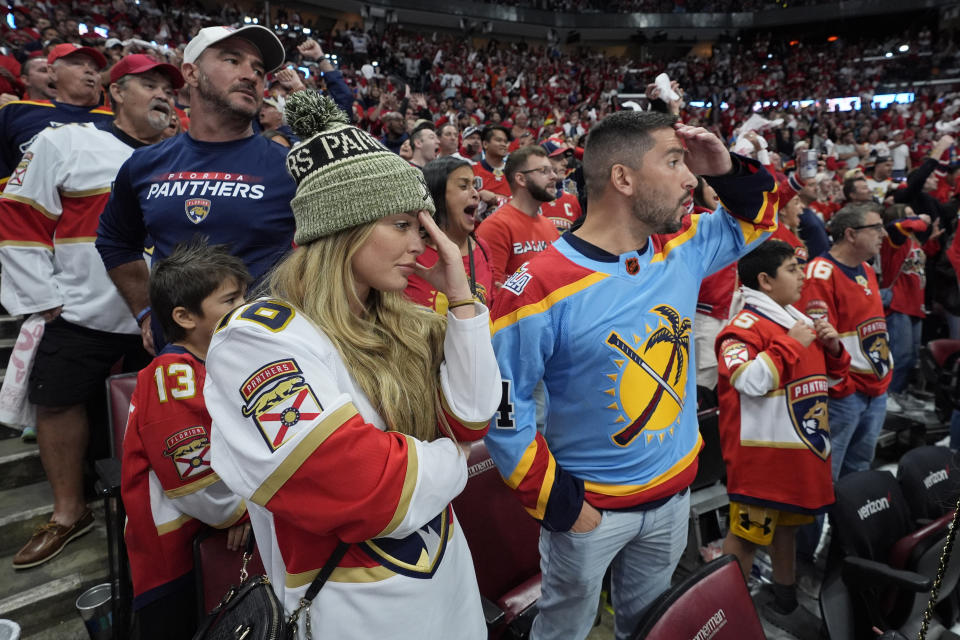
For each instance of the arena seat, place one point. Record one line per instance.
(940, 363)
(119, 391)
(888, 564)
(712, 602)
(217, 568)
(930, 479)
(504, 542)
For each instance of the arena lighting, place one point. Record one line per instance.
(376, 64)
(832, 38)
(307, 31)
(794, 43)
(904, 48)
(888, 54)
(256, 21)
(284, 26)
(246, 20)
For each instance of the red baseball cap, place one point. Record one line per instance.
(137, 63)
(68, 49)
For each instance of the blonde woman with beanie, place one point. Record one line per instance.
(338, 405)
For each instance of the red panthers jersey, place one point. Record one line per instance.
(562, 212)
(849, 298)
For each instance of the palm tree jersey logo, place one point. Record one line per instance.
(651, 378)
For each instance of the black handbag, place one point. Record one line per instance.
(252, 611)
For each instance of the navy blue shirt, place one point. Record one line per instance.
(236, 193)
(22, 120)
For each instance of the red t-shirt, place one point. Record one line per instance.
(422, 292)
(513, 238)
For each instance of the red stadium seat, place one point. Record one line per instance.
(713, 602)
(218, 568)
(119, 391)
(503, 540)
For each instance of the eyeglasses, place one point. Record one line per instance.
(545, 171)
(875, 227)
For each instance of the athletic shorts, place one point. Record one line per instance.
(756, 523)
(73, 362)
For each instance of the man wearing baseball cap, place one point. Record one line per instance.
(48, 214)
(219, 179)
(74, 72)
(565, 209)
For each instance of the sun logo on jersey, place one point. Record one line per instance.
(196, 209)
(875, 346)
(189, 450)
(807, 406)
(278, 399)
(652, 378)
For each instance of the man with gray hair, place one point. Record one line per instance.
(48, 214)
(843, 289)
(75, 72)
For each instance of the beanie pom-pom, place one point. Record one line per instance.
(309, 113)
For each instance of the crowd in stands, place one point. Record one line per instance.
(652, 6)
(184, 125)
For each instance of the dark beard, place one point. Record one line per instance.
(540, 194)
(660, 218)
(220, 102)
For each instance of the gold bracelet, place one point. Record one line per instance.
(453, 304)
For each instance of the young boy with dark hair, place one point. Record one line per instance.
(168, 486)
(775, 367)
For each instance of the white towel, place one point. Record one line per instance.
(786, 316)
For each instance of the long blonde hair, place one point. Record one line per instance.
(393, 351)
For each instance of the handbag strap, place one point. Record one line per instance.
(324, 574)
(314, 589)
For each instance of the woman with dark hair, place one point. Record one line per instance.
(451, 184)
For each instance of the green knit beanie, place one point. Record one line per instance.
(345, 177)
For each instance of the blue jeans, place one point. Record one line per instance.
(904, 332)
(644, 548)
(855, 423)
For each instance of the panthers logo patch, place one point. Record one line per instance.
(189, 450)
(807, 406)
(196, 209)
(278, 399)
(418, 555)
(875, 345)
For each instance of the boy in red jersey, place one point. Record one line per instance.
(168, 486)
(776, 366)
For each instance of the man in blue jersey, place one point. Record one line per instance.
(219, 179)
(75, 72)
(603, 318)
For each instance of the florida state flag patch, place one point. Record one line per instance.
(278, 399)
(189, 450)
